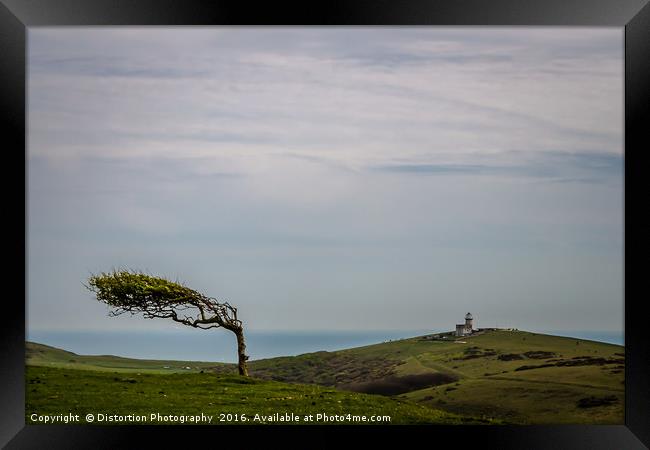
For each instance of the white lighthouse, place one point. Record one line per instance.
(467, 327)
(469, 322)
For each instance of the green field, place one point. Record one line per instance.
(494, 377)
(228, 399)
(46, 356)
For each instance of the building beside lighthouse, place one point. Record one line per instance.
(466, 328)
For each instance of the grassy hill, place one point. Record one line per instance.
(227, 398)
(511, 376)
(516, 376)
(44, 355)
(58, 381)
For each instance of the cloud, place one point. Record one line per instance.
(292, 168)
(559, 167)
(215, 91)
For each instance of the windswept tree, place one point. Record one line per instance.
(156, 297)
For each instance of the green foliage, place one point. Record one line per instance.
(128, 290)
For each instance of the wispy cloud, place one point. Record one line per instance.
(291, 168)
(217, 91)
(560, 167)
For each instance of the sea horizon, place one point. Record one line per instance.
(190, 345)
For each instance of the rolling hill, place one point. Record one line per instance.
(495, 375)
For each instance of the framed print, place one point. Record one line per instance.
(363, 218)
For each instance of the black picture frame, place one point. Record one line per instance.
(634, 15)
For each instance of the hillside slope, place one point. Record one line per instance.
(516, 376)
(227, 399)
(44, 355)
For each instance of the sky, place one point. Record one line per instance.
(330, 178)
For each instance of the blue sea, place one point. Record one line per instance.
(214, 345)
(220, 345)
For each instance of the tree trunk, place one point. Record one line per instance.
(241, 351)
